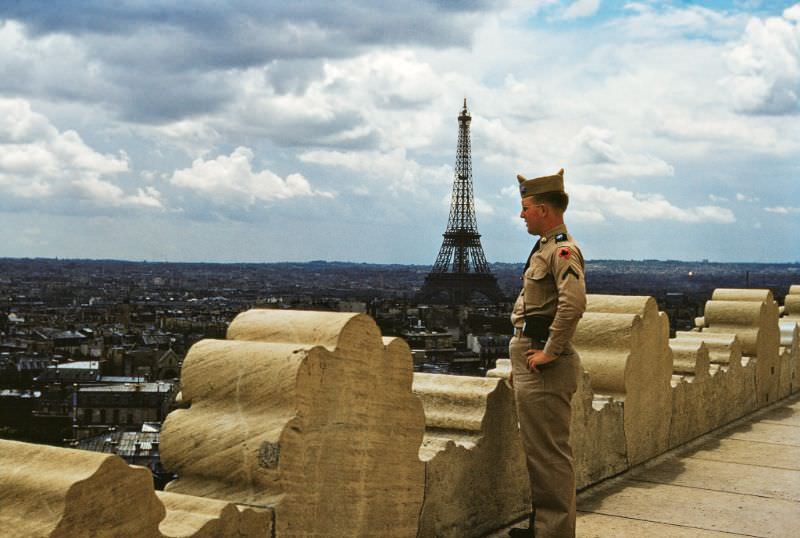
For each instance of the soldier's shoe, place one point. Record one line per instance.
(530, 532)
(518, 532)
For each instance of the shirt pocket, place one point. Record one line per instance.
(538, 284)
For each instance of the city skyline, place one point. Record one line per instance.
(265, 132)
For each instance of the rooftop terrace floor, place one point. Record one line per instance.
(741, 480)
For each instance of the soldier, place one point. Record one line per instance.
(544, 365)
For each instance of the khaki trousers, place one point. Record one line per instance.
(544, 410)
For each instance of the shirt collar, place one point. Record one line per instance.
(560, 229)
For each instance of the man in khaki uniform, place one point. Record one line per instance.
(544, 365)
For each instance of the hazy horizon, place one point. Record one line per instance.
(357, 262)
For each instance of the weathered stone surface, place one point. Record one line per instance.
(597, 435)
(785, 414)
(197, 517)
(732, 477)
(741, 487)
(695, 405)
(789, 327)
(623, 346)
(749, 452)
(309, 414)
(752, 315)
(779, 434)
(737, 294)
(790, 355)
(61, 492)
(502, 369)
(591, 525)
(791, 303)
(475, 470)
(690, 359)
(700, 508)
(736, 374)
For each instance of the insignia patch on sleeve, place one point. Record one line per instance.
(570, 271)
(564, 253)
(561, 237)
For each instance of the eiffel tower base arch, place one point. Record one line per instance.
(459, 289)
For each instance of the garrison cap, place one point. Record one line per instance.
(529, 187)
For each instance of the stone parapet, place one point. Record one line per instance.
(313, 424)
(307, 414)
(475, 471)
(732, 381)
(791, 303)
(597, 435)
(198, 517)
(62, 492)
(622, 341)
(752, 315)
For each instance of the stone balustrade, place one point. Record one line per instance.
(309, 415)
(475, 470)
(312, 424)
(623, 344)
(752, 315)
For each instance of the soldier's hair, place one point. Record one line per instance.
(556, 199)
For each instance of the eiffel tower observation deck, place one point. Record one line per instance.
(461, 271)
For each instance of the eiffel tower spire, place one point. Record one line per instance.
(461, 267)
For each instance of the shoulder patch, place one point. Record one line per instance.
(561, 237)
(564, 253)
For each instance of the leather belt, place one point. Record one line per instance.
(535, 342)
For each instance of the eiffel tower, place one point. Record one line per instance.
(461, 269)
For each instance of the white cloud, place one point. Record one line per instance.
(483, 208)
(745, 198)
(663, 22)
(782, 210)
(194, 136)
(581, 8)
(511, 191)
(596, 151)
(54, 63)
(46, 167)
(385, 99)
(733, 131)
(715, 198)
(500, 142)
(765, 66)
(231, 181)
(393, 171)
(592, 217)
(631, 206)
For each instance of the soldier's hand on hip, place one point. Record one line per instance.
(537, 357)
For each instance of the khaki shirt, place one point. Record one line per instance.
(554, 285)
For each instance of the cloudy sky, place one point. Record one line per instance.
(272, 131)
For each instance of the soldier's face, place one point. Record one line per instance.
(532, 214)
